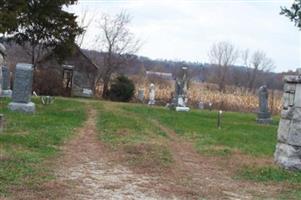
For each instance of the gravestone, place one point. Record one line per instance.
(152, 94)
(2, 59)
(140, 95)
(201, 105)
(288, 148)
(179, 99)
(263, 115)
(87, 92)
(21, 98)
(6, 91)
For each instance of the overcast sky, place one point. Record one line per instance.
(185, 30)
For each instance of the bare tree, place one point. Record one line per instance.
(117, 43)
(257, 64)
(222, 55)
(84, 21)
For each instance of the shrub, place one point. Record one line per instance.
(48, 82)
(122, 89)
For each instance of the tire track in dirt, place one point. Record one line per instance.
(88, 170)
(206, 177)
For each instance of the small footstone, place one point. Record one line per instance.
(6, 93)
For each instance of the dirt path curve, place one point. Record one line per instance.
(88, 171)
(207, 177)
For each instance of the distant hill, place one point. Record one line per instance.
(138, 65)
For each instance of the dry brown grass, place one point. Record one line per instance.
(234, 99)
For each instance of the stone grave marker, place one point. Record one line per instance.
(141, 95)
(21, 98)
(288, 148)
(263, 115)
(179, 99)
(201, 105)
(6, 91)
(2, 59)
(152, 94)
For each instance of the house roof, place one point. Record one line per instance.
(78, 49)
(86, 57)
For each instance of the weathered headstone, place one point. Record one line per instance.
(2, 57)
(140, 95)
(288, 148)
(179, 99)
(46, 100)
(87, 92)
(152, 94)
(6, 91)
(263, 115)
(201, 105)
(21, 98)
(210, 104)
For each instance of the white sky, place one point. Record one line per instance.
(185, 30)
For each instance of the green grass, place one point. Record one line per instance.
(239, 130)
(275, 174)
(118, 126)
(28, 139)
(142, 141)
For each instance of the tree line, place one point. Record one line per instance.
(40, 27)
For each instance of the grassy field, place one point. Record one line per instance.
(144, 143)
(239, 134)
(28, 140)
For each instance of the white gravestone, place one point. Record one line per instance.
(141, 95)
(152, 94)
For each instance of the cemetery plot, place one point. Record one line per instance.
(237, 156)
(28, 140)
(130, 150)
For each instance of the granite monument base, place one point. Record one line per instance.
(264, 121)
(182, 109)
(264, 118)
(6, 93)
(288, 156)
(22, 107)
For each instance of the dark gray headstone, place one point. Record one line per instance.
(263, 115)
(179, 99)
(22, 83)
(5, 78)
(22, 89)
(6, 91)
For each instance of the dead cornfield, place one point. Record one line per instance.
(234, 99)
